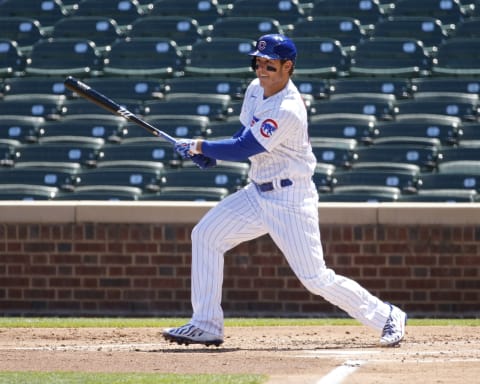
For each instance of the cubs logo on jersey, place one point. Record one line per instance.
(268, 127)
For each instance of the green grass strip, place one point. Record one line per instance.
(124, 378)
(80, 322)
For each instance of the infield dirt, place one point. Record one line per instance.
(300, 355)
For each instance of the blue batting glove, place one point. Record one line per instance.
(186, 148)
(203, 161)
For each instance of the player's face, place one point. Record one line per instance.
(273, 74)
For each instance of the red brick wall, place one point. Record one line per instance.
(143, 270)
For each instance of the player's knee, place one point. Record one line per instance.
(315, 284)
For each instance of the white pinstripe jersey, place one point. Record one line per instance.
(280, 125)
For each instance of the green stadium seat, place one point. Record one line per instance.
(458, 56)
(321, 57)
(124, 12)
(205, 12)
(286, 12)
(101, 193)
(398, 87)
(49, 107)
(183, 30)
(27, 192)
(22, 128)
(364, 194)
(144, 57)
(46, 12)
(102, 30)
(24, 30)
(346, 30)
(221, 56)
(64, 57)
(249, 27)
(345, 126)
(368, 12)
(12, 61)
(391, 56)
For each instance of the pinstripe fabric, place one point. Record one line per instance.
(289, 215)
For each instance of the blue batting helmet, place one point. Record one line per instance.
(275, 47)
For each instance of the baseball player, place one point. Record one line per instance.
(281, 200)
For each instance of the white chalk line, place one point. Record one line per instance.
(340, 373)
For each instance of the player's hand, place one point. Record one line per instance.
(203, 161)
(186, 148)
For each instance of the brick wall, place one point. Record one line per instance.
(143, 269)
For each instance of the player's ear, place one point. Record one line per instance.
(287, 66)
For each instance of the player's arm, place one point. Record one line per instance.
(237, 148)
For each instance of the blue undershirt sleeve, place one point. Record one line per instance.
(238, 148)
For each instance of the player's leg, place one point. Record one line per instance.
(294, 228)
(231, 222)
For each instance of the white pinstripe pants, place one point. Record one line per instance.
(290, 216)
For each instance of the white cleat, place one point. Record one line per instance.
(394, 329)
(190, 334)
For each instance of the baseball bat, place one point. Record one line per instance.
(103, 101)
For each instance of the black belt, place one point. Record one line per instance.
(267, 187)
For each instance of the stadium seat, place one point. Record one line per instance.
(344, 126)
(398, 87)
(215, 107)
(184, 31)
(46, 12)
(25, 31)
(140, 152)
(423, 156)
(448, 11)
(36, 85)
(444, 128)
(456, 181)
(144, 56)
(468, 28)
(8, 151)
(368, 12)
(323, 177)
(22, 128)
(249, 27)
(12, 61)
(470, 134)
(124, 12)
(460, 166)
(458, 57)
(231, 176)
(464, 106)
(205, 12)
(222, 56)
(446, 84)
(83, 107)
(323, 57)
(346, 30)
(461, 153)
(405, 180)
(27, 192)
(223, 129)
(338, 152)
(58, 153)
(63, 178)
(91, 126)
(147, 179)
(391, 57)
(183, 126)
(64, 57)
(381, 106)
(103, 31)
(315, 87)
(365, 194)
(187, 194)
(234, 87)
(428, 30)
(101, 193)
(440, 196)
(128, 88)
(50, 107)
(286, 12)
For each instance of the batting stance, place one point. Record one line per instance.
(281, 200)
